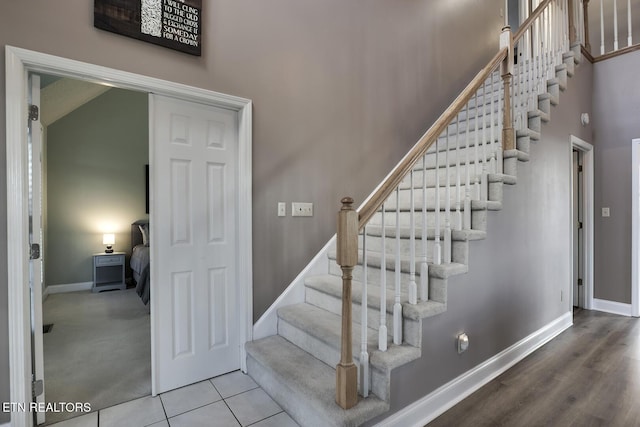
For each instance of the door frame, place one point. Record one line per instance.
(586, 150)
(635, 227)
(19, 63)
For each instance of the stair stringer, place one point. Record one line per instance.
(325, 290)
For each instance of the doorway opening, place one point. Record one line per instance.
(19, 64)
(582, 173)
(635, 227)
(91, 167)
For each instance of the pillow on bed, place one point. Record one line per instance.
(144, 229)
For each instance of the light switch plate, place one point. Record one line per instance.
(301, 209)
(606, 212)
(282, 209)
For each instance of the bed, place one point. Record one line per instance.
(140, 258)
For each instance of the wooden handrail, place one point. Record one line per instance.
(402, 169)
(529, 21)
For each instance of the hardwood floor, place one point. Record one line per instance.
(588, 376)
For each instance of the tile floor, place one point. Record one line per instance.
(229, 400)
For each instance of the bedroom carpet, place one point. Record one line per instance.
(98, 351)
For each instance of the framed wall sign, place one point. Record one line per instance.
(176, 24)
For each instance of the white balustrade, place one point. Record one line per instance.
(539, 52)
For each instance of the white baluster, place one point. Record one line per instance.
(397, 307)
(615, 25)
(413, 288)
(437, 249)
(499, 159)
(601, 27)
(476, 164)
(364, 354)
(467, 172)
(457, 223)
(492, 145)
(484, 187)
(530, 73)
(630, 34)
(382, 328)
(424, 267)
(447, 207)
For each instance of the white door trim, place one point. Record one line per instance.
(635, 227)
(19, 62)
(587, 208)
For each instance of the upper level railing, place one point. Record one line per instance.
(462, 151)
(606, 27)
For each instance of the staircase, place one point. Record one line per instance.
(411, 245)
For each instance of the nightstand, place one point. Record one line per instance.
(108, 271)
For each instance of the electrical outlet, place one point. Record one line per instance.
(606, 212)
(301, 209)
(282, 209)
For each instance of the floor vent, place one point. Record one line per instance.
(47, 328)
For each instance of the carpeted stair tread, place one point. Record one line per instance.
(332, 285)
(325, 327)
(374, 259)
(405, 233)
(491, 177)
(476, 205)
(304, 386)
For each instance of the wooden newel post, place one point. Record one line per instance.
(508, 133)
(347, 258)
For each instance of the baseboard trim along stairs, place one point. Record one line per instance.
(436, 403)
(295, 363)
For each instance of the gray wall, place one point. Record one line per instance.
(333, 83)
(96, 181)
(616, 121)
(517, 274)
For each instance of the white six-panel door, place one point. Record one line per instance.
(193, 242)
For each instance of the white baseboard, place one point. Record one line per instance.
(436, 403)
(70, 287)
(267, 324)
(612, 307)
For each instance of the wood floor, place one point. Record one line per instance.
(587, 376)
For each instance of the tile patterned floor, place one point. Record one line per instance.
(231, 400)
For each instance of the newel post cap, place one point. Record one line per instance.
(347, 244)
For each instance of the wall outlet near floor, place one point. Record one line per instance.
(606, 212)
(301, 209)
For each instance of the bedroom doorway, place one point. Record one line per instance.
(19, 63)
(94, 152)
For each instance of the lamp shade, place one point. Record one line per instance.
(108, 239)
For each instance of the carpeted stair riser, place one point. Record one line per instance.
(333, 304)
(462, 141)
(484, 154)
(326, 348)
(330, 288)
(304, 386)
(455, 197)
(459, 249)
(478, 215)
